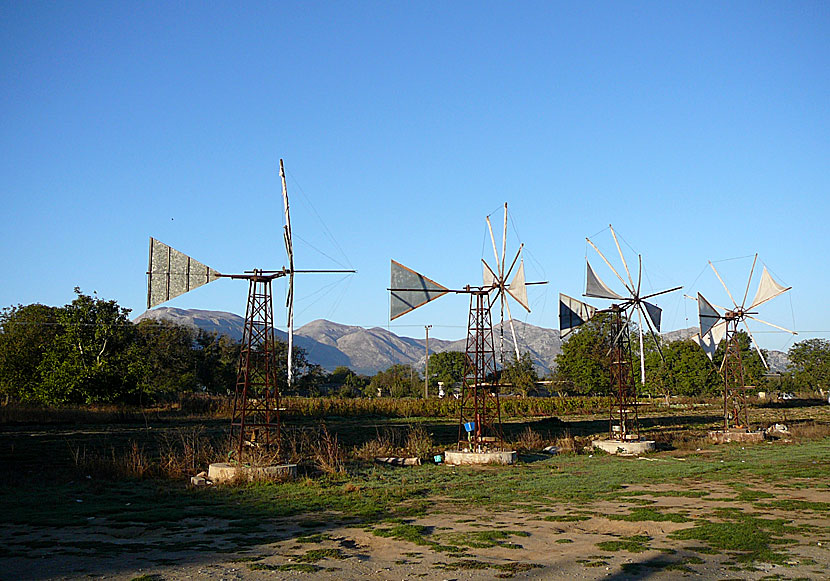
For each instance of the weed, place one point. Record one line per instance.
(529, 441)
(566, 517)
(638, 514)
(635, 544)
(314, 555)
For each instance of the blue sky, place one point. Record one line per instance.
(701, 131)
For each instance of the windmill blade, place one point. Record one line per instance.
(518, 287)
(640, 318)
(749, 280)
(493, 240)
(755, 344)
(512, 329)
(639, 274)
(707, 315)
(289, 299)
(771, 324)
(625, 264)
(504, 244)
(515, 259)
(662, 292)
(171, 273)
(572, 314)
(489, 277)
(649, 320)
(594, 287)
(767, 289)
(723, 284)
(614, 270)
(410, 290)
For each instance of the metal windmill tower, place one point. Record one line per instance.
(716, 327)
(479, 427)
(256, 409)
(572, 313)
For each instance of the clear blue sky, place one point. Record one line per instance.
(701, 131)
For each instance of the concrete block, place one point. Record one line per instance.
(220, 472)
(456, 458)
(743, 436)
(626, 447)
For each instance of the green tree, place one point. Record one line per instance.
(217, 358)
(686, 370)
(520, 375)
(810, 360)
(347, 382)
(26, 335)
(584, 361)
(752, 365)
(90, 358)
(164, 358)
(448, 367)
(397, 381)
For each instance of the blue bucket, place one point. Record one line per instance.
(438, 458)
(470, 426)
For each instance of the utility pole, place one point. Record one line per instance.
(426, 364)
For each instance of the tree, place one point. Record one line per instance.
(520, 374)
(397, 381)
(26, 335)
(89, 361)
(217, 358)
(752, 365)
(164, 359)
(810, 361)
(686, 370)
(347, 382)
(448, 367)
(584, 361)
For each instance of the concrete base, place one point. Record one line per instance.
(220, 472)
(744, 436)
(456, 458)
(625, 448)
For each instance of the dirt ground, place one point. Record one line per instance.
(538, 543)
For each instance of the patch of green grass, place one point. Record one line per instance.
(798, 505)
(746, 494)
(635, 544)
(750, 536)
(484, 539)
(149, 577)
(463, 565)
(592, 563)
(301, 567)
(314, 555)
(565, 517)
(564, 541)
(638, 514)
(315, 538)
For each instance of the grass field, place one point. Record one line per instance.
(690, 509)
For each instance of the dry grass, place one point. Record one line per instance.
(529, 441)
(411, 442)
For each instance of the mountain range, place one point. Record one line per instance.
(367, 351)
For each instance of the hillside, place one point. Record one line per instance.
(368, 351)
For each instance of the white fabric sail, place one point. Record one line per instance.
(172, 273)
(709, 342)
(767, 289)
(489, 276)
(594, 287)
(518, 287)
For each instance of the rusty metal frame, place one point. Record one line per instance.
(480, 390)
(735, 407)
(623, 403)
(255, 423)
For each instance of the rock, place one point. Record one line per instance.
(550, 450)
(199, 480)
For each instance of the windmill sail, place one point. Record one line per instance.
(410, 290)
(594, 287)
(518, 288)
(172, 273)
(707, 314)
(572, 314)
(767, 289)
(655, 313)
(709, 341)
(489, 277)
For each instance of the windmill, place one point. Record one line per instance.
(572, 313)
(255, 421)
(716, 327)
(498, 278)
(479, 427)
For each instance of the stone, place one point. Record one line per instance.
(458, 458)
(625, 447)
